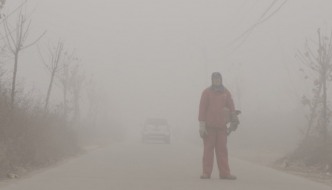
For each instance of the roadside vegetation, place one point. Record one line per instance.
(37, 130)
(313, 155)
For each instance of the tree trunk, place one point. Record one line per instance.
(65, 87)
(313, 110)
(324, 67)
(14, 79)
(324, 129)
(49, 90)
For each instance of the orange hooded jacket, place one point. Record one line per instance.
(215, 107)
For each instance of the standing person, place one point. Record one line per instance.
(216, 109)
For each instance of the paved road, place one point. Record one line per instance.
(137, 166)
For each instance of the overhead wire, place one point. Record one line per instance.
(268, 9)
(242, 38)
(263, 18)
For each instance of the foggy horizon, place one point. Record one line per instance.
(153, 58)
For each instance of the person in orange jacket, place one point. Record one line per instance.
(216, 109)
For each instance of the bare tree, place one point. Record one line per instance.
(319, 62)
(16, 42)
(76, 83)
(53, 66)
(65, 77)
(314, 150)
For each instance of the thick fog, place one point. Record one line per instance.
(153, 58)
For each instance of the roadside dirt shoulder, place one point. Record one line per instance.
(268, 158)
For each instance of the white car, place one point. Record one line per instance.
(156, 130)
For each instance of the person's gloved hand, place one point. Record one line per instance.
(202, 129)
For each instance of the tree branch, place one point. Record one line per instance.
(34, 41)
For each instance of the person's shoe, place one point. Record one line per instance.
(205, 176)
(228, 177)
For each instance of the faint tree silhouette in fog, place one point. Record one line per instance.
(77, 78)
(53, 65)
(314, 151)
(71, 80)
(318, 60)
(16, 38)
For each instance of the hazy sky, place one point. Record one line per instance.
(157, 55)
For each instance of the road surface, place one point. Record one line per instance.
(138, 166)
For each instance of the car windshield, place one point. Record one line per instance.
(156, 121)
(156, 128)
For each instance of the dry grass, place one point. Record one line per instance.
(312, 159)
(31, 138)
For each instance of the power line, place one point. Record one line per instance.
(263, 18)
(269, 8)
